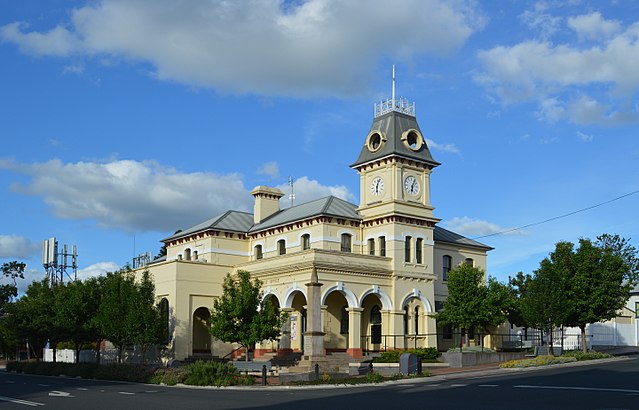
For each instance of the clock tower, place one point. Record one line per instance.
(395, 164)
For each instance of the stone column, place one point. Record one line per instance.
(314, 336)
(431, 330)
(284, 347)
(354, 332)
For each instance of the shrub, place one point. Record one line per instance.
(580, 356)
(423, 353)
(212, 374)
(538, 361)
(374, 377)
(169, 376)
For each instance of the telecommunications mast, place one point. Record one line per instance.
(56, 262)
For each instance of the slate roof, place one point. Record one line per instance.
(393, 125)
(230, 221)
(444, 235)
(329, 206)
(242, 222)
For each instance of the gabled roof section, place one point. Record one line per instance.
(230, 221)
(328, 206)
(392, 126)
(444, 235)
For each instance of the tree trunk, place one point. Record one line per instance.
(583, 338)
(247, 354)
(550, 347)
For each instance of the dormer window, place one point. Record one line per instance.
(413, 139)
(375, 141)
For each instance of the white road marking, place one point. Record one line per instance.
(126, 392)
(151, 391)
(458, 385)
(43, 385)
(18, 401)
(488, 385)
(11, 381)
(525, 386)
(56, 393)
(81, 388)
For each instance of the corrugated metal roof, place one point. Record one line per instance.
(329, 206)
(393, 125)
(444, 235)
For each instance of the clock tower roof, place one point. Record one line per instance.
(395, 133)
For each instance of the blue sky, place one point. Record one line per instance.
(122, 121)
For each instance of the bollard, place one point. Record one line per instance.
(419, 366)
(317, 371)
(263, 375)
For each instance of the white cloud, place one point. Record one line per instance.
(477, 227)
(442, 147)
(538, 19)
(144, 196)
(565, 80)
(270, 169)
(131, 195)
(584, 137)
(17, 247)
(313, 47)
(97, 269)
(593, 26)
(309, 189)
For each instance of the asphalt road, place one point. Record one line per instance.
(603, 385)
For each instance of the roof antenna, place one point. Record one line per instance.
(292, 195)
(393, 91)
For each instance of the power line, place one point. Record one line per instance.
(558, 217)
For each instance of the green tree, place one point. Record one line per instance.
(33, 318)
(600, 285)
(113, 318)
(240, 315)
(145, 318)
(546, 303)
(77, 304)
(472, 303)
(13, 270)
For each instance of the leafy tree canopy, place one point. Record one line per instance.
(240, 316)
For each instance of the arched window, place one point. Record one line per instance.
(306, 241)
(163, 307)
(376, 325)
(194, 255)
(416, 320)
(343, 323)
(407, 248)
(447, 262)
(382, 246)
(405, 320)
(281, 247)
(187, 254)
(258, 252)
(346, 242)
(371, 246)
(469, 262)
(419, 244)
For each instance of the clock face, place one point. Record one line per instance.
(377, 186)
(411, 185)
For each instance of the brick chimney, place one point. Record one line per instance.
(267, 202)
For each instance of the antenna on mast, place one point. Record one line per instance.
(292, 195)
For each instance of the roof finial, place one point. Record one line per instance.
(393, 91)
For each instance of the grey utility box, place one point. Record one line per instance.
(407, 364)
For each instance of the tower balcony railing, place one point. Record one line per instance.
(400, 105)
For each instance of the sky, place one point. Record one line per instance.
(122, 121)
